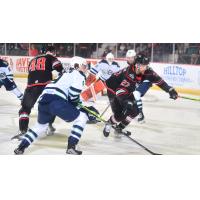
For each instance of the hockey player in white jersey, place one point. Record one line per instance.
(106, 67)
(103, 70)
(61, 98)
(6, 79)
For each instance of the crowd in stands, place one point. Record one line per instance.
(185, 53)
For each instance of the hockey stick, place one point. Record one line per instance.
(105, 110)
(103, 120)
(189, 98)
(145, 148)
(92, 112)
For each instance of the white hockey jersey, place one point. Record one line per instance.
(104, 70)
(5, 69)
(68, 86)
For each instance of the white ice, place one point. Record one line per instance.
(171, 128)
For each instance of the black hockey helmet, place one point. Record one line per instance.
(49, 48)
(141, 59)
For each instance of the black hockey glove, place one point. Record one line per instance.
(91, 117)
(127, 108)
(2, 75)
(173, 94)
(74, 102)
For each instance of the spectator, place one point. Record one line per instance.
(61, 50)
(122, 49)
(33, 51)
(2, 48)
(83, 50)
(195, 57)
(70, 50)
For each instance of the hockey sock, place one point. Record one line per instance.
(75, 135)
(28, 138)
(23, 122)
(18, 93)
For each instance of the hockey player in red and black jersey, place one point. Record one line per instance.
(39, 75)
(126, 103)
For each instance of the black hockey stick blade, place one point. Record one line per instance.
(145, 148)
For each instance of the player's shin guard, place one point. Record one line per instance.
(18, 93)
(125, 122)
(76, 133)
(23, 122)
(107, 128)
(71, 148)
(30, 136)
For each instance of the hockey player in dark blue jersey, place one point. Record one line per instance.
(6, 79)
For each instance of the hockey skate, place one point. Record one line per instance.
(20, 149)
(119, 131)
(19, 136)
(72, 150)
(50, 130)
(93, 121)
(107, 129)
(141, 118)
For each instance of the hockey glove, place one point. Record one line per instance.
(2, 75)
(128, 106)
(91, 117)
(173, 94)
(74, 102)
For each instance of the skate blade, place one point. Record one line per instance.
(17, 137)
(127, 133)
(141, 122)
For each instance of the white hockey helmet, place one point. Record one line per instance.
(110, 58)
(130, 53)
(79, 63)
(130, 56)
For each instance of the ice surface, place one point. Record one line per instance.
(171, 128)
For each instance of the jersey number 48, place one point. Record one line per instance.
(37, 64)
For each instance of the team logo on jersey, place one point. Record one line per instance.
(110, 72)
